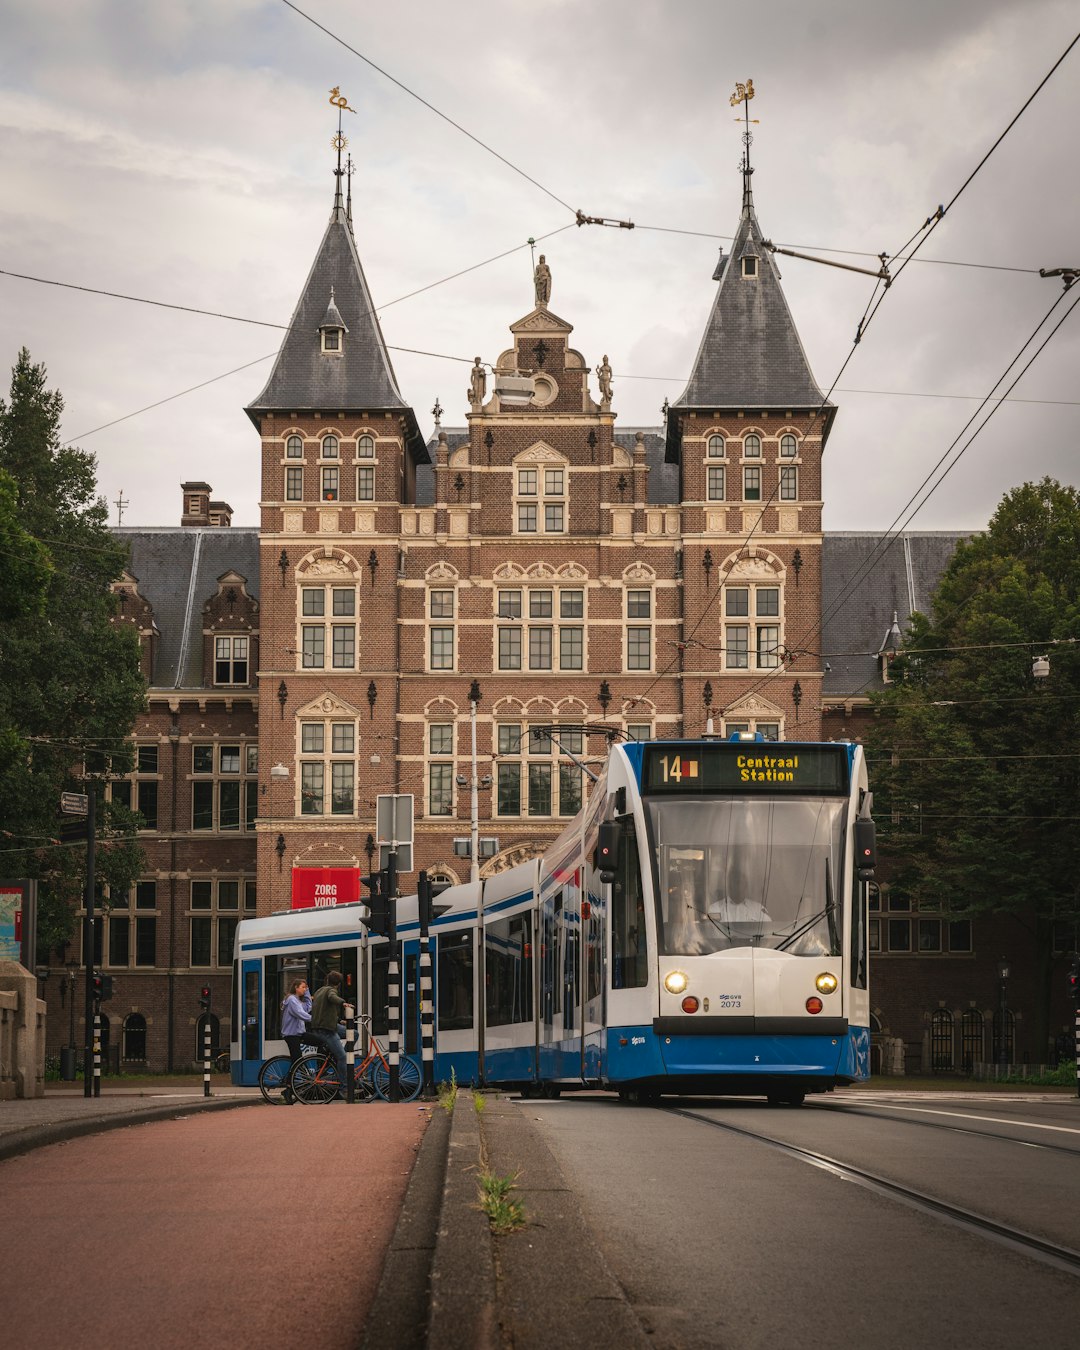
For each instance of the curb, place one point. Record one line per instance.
(16, 1142)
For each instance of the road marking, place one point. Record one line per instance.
(986, 1120)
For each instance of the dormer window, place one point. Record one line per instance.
(749, 258)
(749, 267)
(332, 330)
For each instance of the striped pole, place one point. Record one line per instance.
(395, 1025)
(206, 1056)
(97, 1050)
(427, 1019)
(1078, 1049)
(350, 1052)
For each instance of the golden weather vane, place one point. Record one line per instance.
(338, 99)
(742, 92)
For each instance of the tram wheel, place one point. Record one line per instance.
(640, 1096)
(786, 1098)
(552, 1091)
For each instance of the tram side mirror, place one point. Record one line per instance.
(865, 848)
(609, 849)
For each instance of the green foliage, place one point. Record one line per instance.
(505, 1213)
(70, 681)
(447, 1094)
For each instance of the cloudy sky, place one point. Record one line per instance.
(179, 150)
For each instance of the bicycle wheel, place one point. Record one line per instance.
(314, 1080)
(363, 1084)
(274, 1079)
(408, 1078)
(223, 1063)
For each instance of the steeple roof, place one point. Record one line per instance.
(750, 355)
(359, 377)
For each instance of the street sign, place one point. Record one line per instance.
(404, 857)
(74, 803)
(394, 818)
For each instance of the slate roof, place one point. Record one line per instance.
(750, 355)
(362, 378)
(177, 570)
(862, 586)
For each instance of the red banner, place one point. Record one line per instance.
(324, 887)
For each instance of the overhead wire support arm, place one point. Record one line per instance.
(1068, 275)
(882, 273)
(583, 219)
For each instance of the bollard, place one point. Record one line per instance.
(393, 1038)
(97, 1051)
(350, 1053)
(427, 1020)
(206, 1057)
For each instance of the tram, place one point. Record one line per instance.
(699, 927)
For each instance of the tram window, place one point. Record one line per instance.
(380, 989)
(454, 972)
(508, 971)
(859, 938)
(629, 952)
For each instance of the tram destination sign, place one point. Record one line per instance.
(746, 767)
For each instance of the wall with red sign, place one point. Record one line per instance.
(324, 887)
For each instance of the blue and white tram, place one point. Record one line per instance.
(700, 926)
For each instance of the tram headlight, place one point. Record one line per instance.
(675, 982)
(826, 983)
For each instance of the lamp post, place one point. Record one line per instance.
(1003, 1012)
(474, 800)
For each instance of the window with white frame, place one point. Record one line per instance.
(138, 790)
(789, 483)
(751, 483)
(715, 482)
(440, 769)
(330, 447)
(365, 483)
(130, 937)
(327, 767)
(639, 641)
(365, 447)
(789, 447)
(751, 613)
(331, 483)
(224, 786)
(639, 731)
(231, 660)
(540, 501)
(213, 914)
(294, 483)
(535, 774)
(716, 447)
(441, 629)
(554, 636)
(328, 627)
(769, 730)
(751, 447)
(294, 448)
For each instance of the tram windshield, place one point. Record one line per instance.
(748, 872)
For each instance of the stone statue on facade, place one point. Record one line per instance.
(603, 374)
(542, 282)
(477, 384)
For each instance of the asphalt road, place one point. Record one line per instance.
(722, 1241)
(254, 1227)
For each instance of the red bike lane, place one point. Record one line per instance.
(246, 1227)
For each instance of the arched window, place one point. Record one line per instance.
(365, 447)
(330, 447)
(789, 447)
(752, 446)
(972, 1032)
(941, 1040)
(294, 448)
(134, 1037)
(716, 447)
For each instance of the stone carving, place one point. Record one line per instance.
(326, 567)
(603, 375)
(754, 567)
(328, 705)
(477, 384)
(638, 572)
(752, 706)
(441, 571)
(542, 283)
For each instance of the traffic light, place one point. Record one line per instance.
(379, 922)
(1074, 981)
(101, 986)
(204, 998)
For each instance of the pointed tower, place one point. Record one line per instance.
(340, 449)
(747, 433)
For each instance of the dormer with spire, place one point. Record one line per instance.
(333, 329)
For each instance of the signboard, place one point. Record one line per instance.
(74, 803)
(394, 819)
(18, 922)
(747, 766)
(324, 887)
(404, 857)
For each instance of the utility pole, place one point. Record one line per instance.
(88, 948)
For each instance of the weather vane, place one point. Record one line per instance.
(338, 141)
(743, 94)
(120, 503)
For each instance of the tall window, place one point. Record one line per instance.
(328, 625)
(224, 787)
(716, 482)
(365, 483)
(535, 775)
(294, 483)
(330, 448)
(365, 447)
(548, 645)
(540, 499)
(138, 791)
(231, 660)
(751, 483)
(131, 921)
(441, 630)
(213, 914)
(294, 448)
(327, 768)
(330, 482)
(740, 604)
(789, 483)
(716, 447)
(638, 634)
(752, 446)
(789, 447)
(441, 769)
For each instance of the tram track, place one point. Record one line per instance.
(1029, 1244)
(901, 1117)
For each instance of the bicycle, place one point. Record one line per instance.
(314, 1077)
(274, 1078)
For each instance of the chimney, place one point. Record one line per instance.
(220, 513)
(196, 508)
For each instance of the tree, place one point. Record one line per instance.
(977, 761)
(70, 682)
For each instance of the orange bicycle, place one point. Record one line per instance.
(314, 1077)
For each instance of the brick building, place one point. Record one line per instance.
(576, 580)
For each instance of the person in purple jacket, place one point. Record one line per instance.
(295, 1016)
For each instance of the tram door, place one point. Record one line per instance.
(251, 1048)
(551, 985)
(591, 981)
